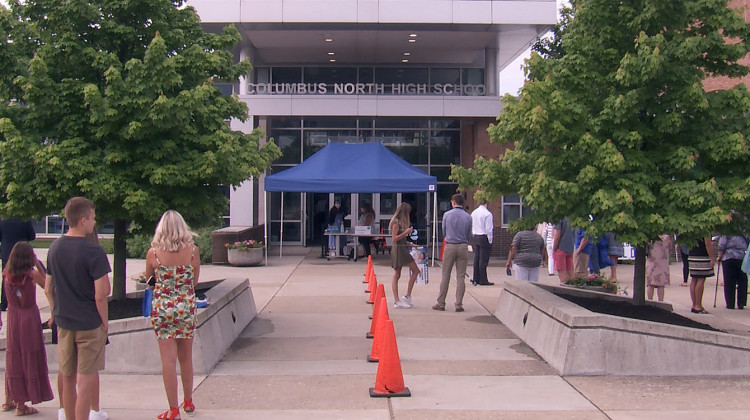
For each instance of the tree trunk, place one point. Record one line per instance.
(639, 276)
(118, 275)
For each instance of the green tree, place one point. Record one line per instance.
(621, 127)
(118, 104)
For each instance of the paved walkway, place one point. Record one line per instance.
(305, 357)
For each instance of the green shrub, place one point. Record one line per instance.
(138, 245)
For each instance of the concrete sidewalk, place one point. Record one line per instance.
(304, 357)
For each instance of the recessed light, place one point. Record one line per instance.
(333, 60)
(407, 54)
(412, 40)
(404, 60)
(331, 53)
(412, 35)
(329, 39)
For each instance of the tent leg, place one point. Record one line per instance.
(265, 225)
(281, 230)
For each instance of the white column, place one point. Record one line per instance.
(246, 52)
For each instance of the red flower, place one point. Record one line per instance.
(170, 304)
(180, 270)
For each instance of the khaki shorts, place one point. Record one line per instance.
(81, 351)
(581, 263)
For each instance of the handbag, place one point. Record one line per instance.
(746, 261)
(148, 295)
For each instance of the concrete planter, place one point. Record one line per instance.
(238, 257)
(133, 346)
(576, 341)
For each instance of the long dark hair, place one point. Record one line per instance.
(21, 260)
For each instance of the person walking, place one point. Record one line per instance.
(526, 254)
(482, 229)
(701, 261)
(77, 287)
(26, 374)
(12, 231)
(400, 228)
(174, 261)
(731, 252)
(457, 234)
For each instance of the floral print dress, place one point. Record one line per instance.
(173, 305)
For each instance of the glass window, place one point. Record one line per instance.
(330, 122)
(513, 208)
(40, 226)
(472, 76)
(292, 231)
(441, 173)
(446, 148)
(387, 204)
(443, 76)
(262, 74)
(400, 75)
(290, 145)
(330, 75)
(400, 123)
(285, 122)
(445, 123)
(286, 75)
(366, 75)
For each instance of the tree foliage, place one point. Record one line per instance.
(621, 127)
(115, 100)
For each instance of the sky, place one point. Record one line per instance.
(512, 77)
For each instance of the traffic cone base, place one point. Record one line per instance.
(404, 393)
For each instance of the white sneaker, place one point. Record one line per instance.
(407, 300)
(98, 415)
(61, 414)
(401, 305)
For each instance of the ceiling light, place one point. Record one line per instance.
(407, 54)
(331, 53)
(412, 40)
(412, 35)
(404, 60)
(329, 39)
(333, 60)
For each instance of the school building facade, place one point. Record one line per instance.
(420, 76)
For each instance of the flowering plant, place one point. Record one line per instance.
(593, 280)
(244, 245)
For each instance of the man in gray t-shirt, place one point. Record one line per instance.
(457, 233)
(562, 249)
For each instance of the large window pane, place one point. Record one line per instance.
(400, 123)
(443, 76)
(442, 173)
(292, 231)
(395, 75)
(330, 75)
(289, 143)
(446, 148)
(286, 75)
(285, 122)
(330, 122)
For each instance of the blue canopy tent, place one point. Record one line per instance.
(353, 168)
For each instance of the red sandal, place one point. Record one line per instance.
(172, 414)
(188, 406)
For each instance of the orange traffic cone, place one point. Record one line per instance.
(380, 294)
(379, 333)
(370, 285)
(442, 249)
(368, 269)
(389, 381)
(373, 289)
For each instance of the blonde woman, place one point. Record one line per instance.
(174, 262)
(400, 228)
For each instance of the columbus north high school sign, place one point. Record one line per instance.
(364, 89)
